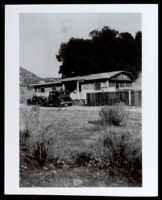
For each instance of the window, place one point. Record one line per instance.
(54, 88)
(97, 86)
(58, 87)
(104, 85)
(42, 90)
(128, 84)
(112, 84)
(84, 86)
(92, 86)
(49, 89)
(87, 86)
(35, 89)
(121, 85)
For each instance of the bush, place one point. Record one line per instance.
(123, 152)
(29, 121)
(24, 135)
(119, 153)
(43, 145)
(114, 115)
(82, 158)
(38, 144)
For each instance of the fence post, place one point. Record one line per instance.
(130, 98)
(87, 99)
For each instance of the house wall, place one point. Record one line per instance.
(79, 89)
(38, 92)
(97, 86)
(123, 77)
(105, 86)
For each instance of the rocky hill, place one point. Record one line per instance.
(27, 78)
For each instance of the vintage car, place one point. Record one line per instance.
(58, 98)
(55, 98)
(36, 100)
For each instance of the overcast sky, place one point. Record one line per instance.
(42, 34)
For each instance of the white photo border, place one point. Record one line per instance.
(149, 98)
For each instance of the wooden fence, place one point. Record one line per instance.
(136, 98)
(131, 97)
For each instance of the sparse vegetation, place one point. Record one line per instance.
(123, 152)
(114, 115)
(37, 143)
(56, 143)
(83, 158)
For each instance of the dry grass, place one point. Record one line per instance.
(38, 143)
(70, 142)
(123, 152)
(114, 115)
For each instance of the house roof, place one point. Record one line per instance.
(105, 75)
(46, 84)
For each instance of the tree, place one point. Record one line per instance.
(106, 50)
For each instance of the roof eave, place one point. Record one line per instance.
(45, 84)
(121, 73)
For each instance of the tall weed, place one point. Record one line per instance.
(38, 144)
(123, 151)
(114, 115)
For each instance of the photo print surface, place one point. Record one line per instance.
(80, 100)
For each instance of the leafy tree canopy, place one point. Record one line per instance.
(106, 50)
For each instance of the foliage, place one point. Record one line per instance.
(106, 50)
(114, 115)
(115, 153)
(38, 144)
(82, 158)
(123, 152)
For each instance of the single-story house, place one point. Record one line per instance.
(79, 86)
(43, 88)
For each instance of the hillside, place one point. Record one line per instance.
(27, 78)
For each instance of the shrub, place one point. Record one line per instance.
(38, 144)
(82, 158)
(114, 115)
(29, 121)
(24, 135)
(123, 153)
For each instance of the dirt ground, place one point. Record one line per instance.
(77, 107)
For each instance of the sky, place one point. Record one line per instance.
(42, 34)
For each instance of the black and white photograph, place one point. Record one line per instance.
(80, 99)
